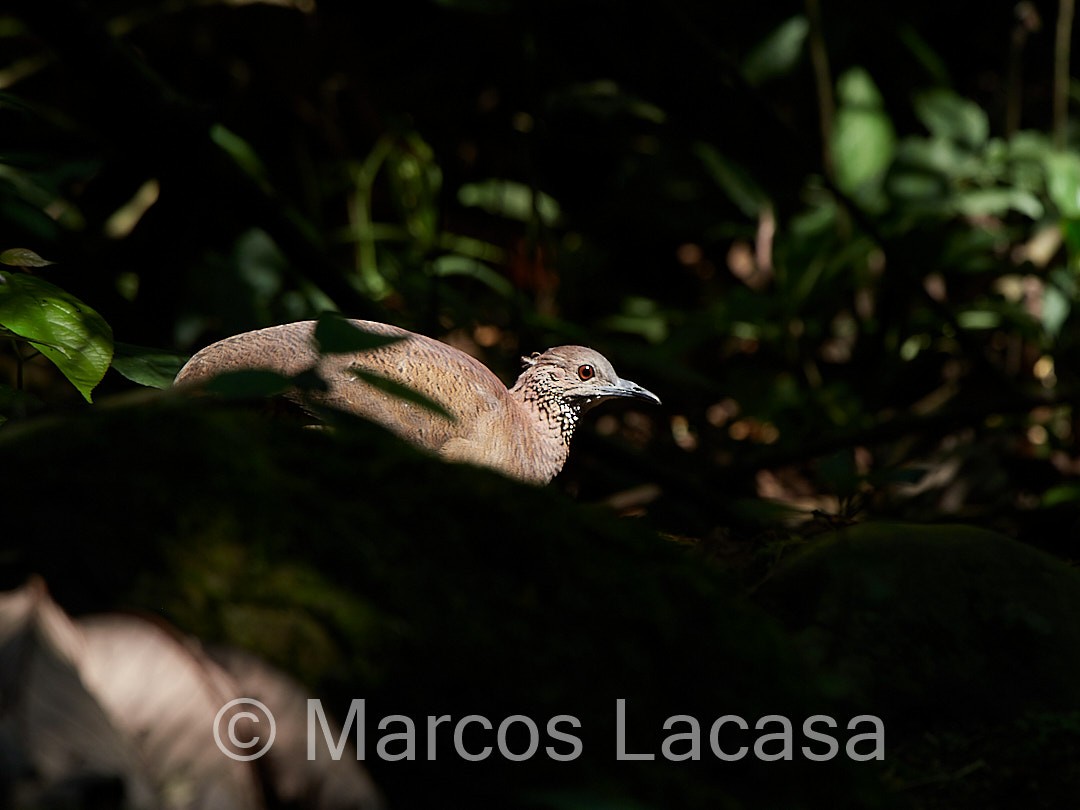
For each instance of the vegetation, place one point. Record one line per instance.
(840, 241)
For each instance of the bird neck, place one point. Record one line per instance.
(555, 416)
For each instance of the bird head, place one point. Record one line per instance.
(579, 376)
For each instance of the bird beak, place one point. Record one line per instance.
(628, 388)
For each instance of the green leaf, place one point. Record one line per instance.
(979, 319)
(154, 368)
(863, 140)
(778, 53)
(510, 199)
(415, 181)
(455, 265)
(22, 257)
(733, 179)
(335, 335)
(1063, 182)
(248, 384)
(997, 202)
(952, 117)
(926, 56)
(400, 391)
(63, 328)
(242, 152)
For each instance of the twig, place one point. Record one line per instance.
(1061, 71)
(18, 365)
(1027, 22)
(819, 58)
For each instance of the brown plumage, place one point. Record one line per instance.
(523, 432)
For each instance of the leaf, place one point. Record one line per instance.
(242, 152)
(154, 368)
(64, 329)
(997, 202)
(927, 58)
(863, 141)
(1063, 182)
(22, 257)
(733, 179)
(335, 335)
(415, 181)
(778, 53)
(510, 199)
(400, 391)
(455, 265)
(952, 117)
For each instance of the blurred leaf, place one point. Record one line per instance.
(925, 55)
(606, 99)
(1063, 182)
(22, 257)
(997, 202)
(640, 316)
(150, 367)
(778, 53)
(1055, 309)
(510, 199)
(239, 150)
(1071, 230)
(952, 117)
(1061, 494)
(837, 472)
(863, 140)
(938, 156)
(335, 335)
(415, 181)
(453, 265)
(979, 319)
(64, 329)
(733, 179)
(400, 391)
(248, 384)
(1058, 296)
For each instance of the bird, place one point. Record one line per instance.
(522, 432)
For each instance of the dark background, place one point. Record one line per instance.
(839, 239)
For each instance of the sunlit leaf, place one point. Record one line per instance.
(778, 53)
(61, 327)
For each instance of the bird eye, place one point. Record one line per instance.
(586, 372)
